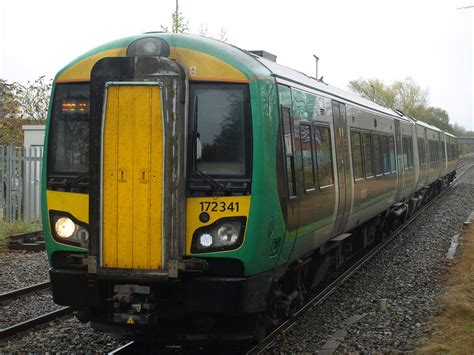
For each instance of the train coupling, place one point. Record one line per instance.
(131, 305)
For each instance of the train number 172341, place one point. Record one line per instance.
(219, 206)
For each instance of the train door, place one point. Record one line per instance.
(290, 145)
(137, 134)
(342, 166)
(400, 166)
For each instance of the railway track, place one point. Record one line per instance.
(24, 291)
(321, 296)
(30, 241)
(32, 323)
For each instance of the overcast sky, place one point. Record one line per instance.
(430, 41)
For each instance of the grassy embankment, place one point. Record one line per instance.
(454, 327)
(7, 229)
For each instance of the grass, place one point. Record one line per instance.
(9, 228)
(454, 327)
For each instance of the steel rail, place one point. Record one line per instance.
(24, 291)
(34, 322)
(316, 300)
(124, 349)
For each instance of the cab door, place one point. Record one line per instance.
(137, 174)
(132, 183)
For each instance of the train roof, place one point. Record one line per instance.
(283, 72)
(229, 63)
(427, 125)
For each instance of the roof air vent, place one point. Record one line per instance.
(265, 55)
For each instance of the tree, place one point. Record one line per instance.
(33, 99)
(222, 35)
(8, 105)
(203, 30)
(19, 105)
(374, 90)
(179, 24)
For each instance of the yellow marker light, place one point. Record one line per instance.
(65, 227)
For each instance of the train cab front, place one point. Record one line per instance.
(148, 195)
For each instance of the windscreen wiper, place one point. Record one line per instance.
(217, 188)
(74, 181)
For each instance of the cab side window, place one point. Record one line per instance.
(289, 148)
(307, 156)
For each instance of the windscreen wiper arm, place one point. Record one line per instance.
(74, 181)
(217, 188)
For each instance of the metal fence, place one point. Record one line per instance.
(20, 183)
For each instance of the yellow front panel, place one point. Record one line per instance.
(132, 185)
(75, 204)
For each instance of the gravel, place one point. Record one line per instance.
(63, 336)
(410, 272)
(25, 308)
(20, 269)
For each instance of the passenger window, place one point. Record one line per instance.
(405, 153)
(323, 156)
(290, 160)
(410, 152)
(307, 156)
(377, 156)
(393, 165)
(369, 168)
(358, 170)
(421, 151)
(386, 155)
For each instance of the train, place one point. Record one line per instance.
(196, 191)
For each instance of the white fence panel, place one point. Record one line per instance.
(20, 183)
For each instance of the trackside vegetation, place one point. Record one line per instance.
(454, 327)
(7, 229)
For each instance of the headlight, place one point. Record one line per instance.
(65, 227)
(224, 234)
(228, 233)
(66, 230)
(148, 47)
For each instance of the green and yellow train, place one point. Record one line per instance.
(195, 190)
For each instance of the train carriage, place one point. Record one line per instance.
(188, 182)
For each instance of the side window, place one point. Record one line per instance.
(391, 143)
(443, 152)
(377, 156)
(358, 170)
(410, 152)
(386, 155)
(307, 156)
(322, 140)
(368, 159)
(288, 140)
(432, 152)
(405, 152)
(421, 151)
